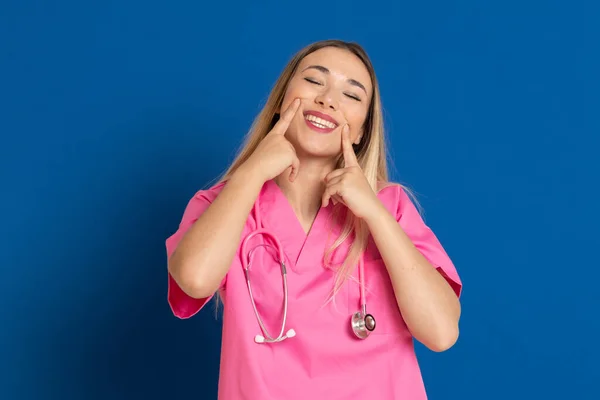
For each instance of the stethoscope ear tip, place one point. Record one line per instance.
(261, 339)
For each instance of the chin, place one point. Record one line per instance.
(317, 150)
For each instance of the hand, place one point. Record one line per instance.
(349, 185)
(275, 153)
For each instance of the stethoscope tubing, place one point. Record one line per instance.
(247, 263)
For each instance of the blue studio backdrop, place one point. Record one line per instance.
(113, 114)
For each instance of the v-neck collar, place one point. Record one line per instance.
(304, 251)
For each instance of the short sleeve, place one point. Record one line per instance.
(182, 305)
(425, 240)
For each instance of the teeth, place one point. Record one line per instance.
(321, 123)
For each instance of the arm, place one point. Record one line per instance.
(204, 254)
(429, 305)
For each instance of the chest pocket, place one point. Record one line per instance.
(380, 299)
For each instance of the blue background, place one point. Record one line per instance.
(114, 113)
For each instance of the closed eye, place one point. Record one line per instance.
(350, 95)
(312, 81)
(354, 97)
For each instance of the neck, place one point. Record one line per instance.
(305, 193)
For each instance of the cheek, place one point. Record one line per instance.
(293, 91)
(302, 90)
(356, 119)
(288, 99)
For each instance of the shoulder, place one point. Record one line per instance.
(201, 200)
(389, 192)
(209, 194)
(396, 197)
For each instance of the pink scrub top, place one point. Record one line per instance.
(324, 360)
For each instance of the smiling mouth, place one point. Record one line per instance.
(320, 122)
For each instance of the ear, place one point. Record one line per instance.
(358, 137)
(277, 113)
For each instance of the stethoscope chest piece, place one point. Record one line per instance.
(362, 324)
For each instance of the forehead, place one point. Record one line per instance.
(341, 63)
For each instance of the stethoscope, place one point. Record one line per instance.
(362, 323)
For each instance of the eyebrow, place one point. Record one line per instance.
(324, 70)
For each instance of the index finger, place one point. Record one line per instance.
(350, 159)
(286, 118)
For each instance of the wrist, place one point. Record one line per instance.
(376, 215)
(247, 176)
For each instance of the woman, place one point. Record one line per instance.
(313, 174)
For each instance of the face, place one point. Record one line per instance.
(334, 87)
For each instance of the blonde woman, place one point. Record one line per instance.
(325, 270)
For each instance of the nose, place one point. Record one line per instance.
(326, 100)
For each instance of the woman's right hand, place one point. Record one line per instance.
(275, 153)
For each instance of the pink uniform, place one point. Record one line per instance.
(324, 360)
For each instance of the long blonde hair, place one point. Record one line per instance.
(370, 152)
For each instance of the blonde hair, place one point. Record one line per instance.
(370, 152)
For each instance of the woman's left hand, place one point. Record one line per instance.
(349, 185)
